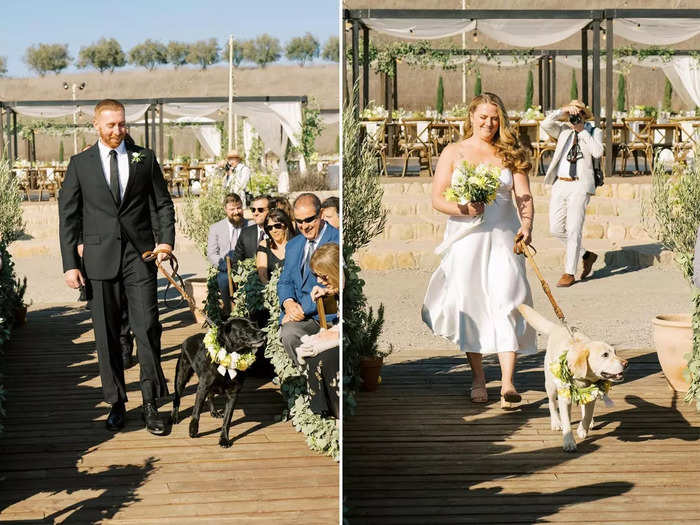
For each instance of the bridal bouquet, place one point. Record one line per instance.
(472, 183)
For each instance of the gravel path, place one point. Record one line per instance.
(616, 307)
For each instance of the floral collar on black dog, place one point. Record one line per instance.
(581, 395)
(229, 362)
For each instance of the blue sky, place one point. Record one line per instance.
(80, 22)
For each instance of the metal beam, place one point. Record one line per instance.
(146, 138)
(609, 97)
(160, 133)
(153, 127)
(596, 72)
(553, 67)
(540, 89)
(547, 89)
(460, 14)
(87, 102)
(2, 134)
(15, 149)
(355, 67)
(365, 66)
(584, 66)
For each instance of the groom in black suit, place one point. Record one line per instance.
(104, 202)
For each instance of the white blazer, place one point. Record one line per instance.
(591, 147)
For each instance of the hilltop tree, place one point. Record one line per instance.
(177, 52)
(105, 54)
(3, 66)
(262, 50)
(204, 53)
(43, 58)
(331, 50)
(303, 49)
(238, 52)
(149, 54)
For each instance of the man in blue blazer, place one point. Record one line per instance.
(299, 314)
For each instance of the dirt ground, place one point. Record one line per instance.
(614, 306)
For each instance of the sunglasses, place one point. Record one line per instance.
(276, 226)
(308, 220)
(258, 210)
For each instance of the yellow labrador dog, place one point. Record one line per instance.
(589, 367)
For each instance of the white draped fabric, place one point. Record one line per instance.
(208, 136)
(682, 71)
(515, 32)
(531, 33)
(133, 112)
(654, 31)
(193, 109)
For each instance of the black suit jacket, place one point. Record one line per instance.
(88, 212)
(246, 245)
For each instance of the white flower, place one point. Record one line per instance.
(136, 157)
(221, 355)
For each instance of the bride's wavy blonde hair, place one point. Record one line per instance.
(508, 148)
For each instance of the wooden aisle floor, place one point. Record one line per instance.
(58, 463)
(417, 451)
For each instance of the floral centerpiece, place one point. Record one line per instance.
(472, 183)
(374, 112)
(458, 111)
(533, 113)
(399, 114)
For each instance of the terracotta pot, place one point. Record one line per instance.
(196, 287)
(673, 339)
(370, 367)
(21, 315)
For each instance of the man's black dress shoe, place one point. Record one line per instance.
(154, 421)
(117, 416)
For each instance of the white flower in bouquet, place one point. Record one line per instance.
(470, 183)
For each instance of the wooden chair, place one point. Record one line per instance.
(46, 180)
(544, 143)
(411, 144)
(378, 140)
(441, 134)
(639, 139)
(687, 139)
(327, 304)
(618, 143)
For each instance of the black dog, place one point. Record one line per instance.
(235, 335)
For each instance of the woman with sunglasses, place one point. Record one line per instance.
(282, 203)
(319, 354)
(270, 256)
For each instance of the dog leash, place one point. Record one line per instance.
(172, 278)
(521, 248)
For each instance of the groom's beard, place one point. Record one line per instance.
(237, 222)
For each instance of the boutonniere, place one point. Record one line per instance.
(136, 157)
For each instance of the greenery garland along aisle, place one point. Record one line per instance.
(251, 296)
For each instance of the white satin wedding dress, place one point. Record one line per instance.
(473, 295)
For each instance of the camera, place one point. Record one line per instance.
(575, 119)
(227, 167)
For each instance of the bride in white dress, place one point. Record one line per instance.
(473, 295)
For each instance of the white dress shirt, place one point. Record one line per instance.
(122, 164)
(233, 233)
(563, 168)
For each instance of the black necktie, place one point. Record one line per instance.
(261, 235)
(573, 157)
(307, 260)
(114, 176)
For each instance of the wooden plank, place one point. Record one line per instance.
(58, 462)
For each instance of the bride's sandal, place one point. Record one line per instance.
(478, 394)
(510, 400)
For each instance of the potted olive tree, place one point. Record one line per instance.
(364, 218)
(675, 211)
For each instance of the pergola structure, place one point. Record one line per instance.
(404, 23)
(151, 110)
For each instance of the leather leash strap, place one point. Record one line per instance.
(172, 275)
(521, 248)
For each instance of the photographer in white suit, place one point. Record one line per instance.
(571, 173)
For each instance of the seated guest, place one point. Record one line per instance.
(320, 353)
(247, 245)
(299, 315)
(271, 250)
(330, 211)
(282, 203)
(222, 239)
